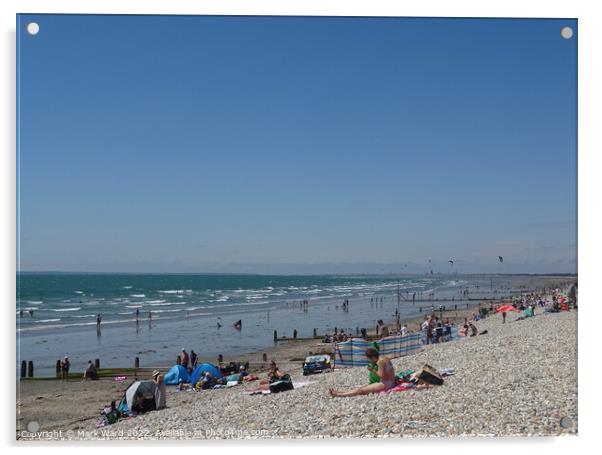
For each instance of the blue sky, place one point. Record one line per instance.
(185, 143)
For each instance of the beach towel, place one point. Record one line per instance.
(406, 386)
(399, 388)
(404, 373)
(297, 385)
(446, 371)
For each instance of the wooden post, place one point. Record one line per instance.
(136, 362)
(275, 335)
(295, 333)
(220, 358)
(264, 357)
(30, 369)
(97, 363)
(23, 368)
(58, 368)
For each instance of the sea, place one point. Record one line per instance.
(57, 312)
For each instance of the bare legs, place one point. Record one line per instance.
(364, 390)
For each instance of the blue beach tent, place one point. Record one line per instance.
(199, 370)
(175, 374)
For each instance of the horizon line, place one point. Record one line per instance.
(70, 272)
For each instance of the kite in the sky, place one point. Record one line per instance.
(501, 258)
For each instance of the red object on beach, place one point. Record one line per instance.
(505, 309)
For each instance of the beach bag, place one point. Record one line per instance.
(282, 384)
(429, 375)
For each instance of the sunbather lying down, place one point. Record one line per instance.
(385, 372)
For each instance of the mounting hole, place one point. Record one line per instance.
(566, 32)
(566, 422)
(33, 28)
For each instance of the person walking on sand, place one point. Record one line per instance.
(384, 370)
(65, 364)
(160, 391)
(504, 317)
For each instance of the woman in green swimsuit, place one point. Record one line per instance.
(385, 372)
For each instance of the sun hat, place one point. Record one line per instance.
(155, 373)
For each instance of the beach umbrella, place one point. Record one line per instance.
(506, 308)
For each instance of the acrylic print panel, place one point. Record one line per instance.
(233, 210)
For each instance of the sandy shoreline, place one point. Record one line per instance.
(75, 405)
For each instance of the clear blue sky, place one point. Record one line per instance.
(243, 144)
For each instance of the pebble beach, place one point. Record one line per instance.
(519, 379)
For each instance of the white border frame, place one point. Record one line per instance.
(590, 76)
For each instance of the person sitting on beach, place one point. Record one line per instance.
(273, 375)
(160, 390)
(385, 371)
(473, 329)
(207, 381)
(463, 332)
(242, 371)
(90, 372)
(275, 372)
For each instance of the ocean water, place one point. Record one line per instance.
(186, 309)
